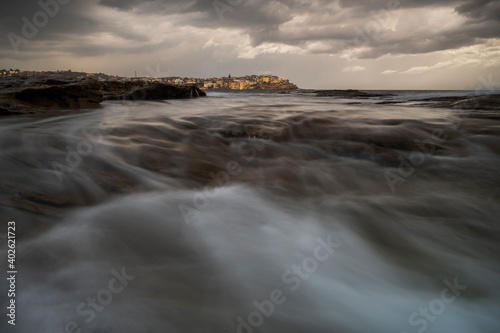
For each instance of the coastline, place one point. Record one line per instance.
(28, 96)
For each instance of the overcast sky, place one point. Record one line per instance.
(360, 44)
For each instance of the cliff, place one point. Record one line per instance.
(275, 86)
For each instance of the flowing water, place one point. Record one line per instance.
(253, 212)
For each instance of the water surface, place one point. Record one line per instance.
(214, 204)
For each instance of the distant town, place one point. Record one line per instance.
(248, 82)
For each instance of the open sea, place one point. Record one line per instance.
(253, 212)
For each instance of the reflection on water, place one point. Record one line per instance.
(255, 212)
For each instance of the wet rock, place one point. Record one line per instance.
(485, 102)
(85, 95)
(160, 91)
(89, 93)
(54, 82)
(476, 106)
(350, 93)
(5, 112)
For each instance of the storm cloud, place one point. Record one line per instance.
(358, 32)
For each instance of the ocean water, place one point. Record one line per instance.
(253, 212)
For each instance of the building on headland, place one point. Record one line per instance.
(10, 72)
(248, 82)
(244, 85)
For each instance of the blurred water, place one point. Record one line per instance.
(210, 205)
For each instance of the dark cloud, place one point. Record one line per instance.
(481, 10)
(334, 24)
(164, 7)
(262, 19)
(122, 4)
(66, 29)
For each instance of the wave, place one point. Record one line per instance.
(254, 213)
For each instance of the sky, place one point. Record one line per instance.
(317, 44)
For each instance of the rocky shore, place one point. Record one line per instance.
(274, 86)
(475, 106)
(482, 102)
(34, 97)
(349, 93)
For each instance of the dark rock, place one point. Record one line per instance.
(118, 89)
(53, 82)
(479, 106)
(484, 102)
(274, 86)
(86, 95)
(89, 93)
(5, 112)
(350, 93)
(159, 91)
